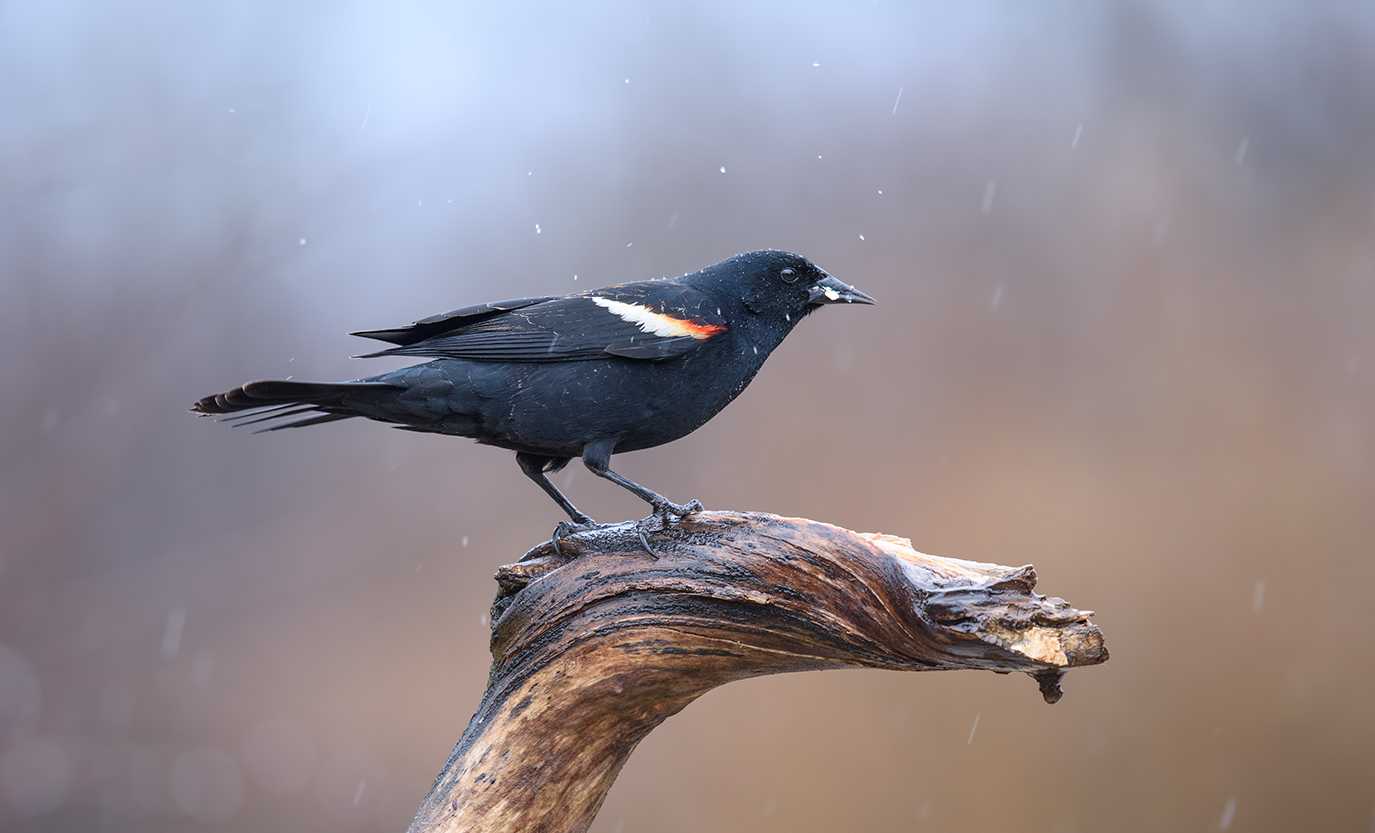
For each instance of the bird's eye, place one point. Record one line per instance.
(788, 275)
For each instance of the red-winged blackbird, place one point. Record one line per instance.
(617, 369)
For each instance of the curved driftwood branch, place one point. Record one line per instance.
(595, 646)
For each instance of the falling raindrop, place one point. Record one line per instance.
(1229, 814)
(21, 694)
(897, 101)
(990, 194)
(974, 728)
(171, 632)
(1078, 134)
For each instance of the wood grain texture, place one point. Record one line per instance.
(594, 646)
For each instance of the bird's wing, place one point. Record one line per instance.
(449, 321)
(650, 320)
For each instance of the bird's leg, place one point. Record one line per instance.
(597, 457)
(535, 466)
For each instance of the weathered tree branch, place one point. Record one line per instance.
(595, 646)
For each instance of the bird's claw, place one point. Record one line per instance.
(644, 541)
(664, 513)
(664, 510)
(567, 528)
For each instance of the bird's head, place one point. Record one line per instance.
(780, 287)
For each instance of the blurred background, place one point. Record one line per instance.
(1125, 264)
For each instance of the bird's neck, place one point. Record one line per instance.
(762, 331)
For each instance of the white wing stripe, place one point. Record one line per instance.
(649, 321)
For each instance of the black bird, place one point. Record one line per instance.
(622, 368)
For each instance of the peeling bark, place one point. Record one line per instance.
(595, 646)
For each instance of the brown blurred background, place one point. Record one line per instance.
(1125, 263)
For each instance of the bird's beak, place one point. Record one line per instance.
(828, 290)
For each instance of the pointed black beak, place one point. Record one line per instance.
(828, 290)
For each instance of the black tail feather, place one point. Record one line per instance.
(258, 402)
(399, 335)
(238, 417)
(302, 423)
(258, 395)
(276, 415)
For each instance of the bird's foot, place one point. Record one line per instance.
(665, 512)
(652, 523)
(666, 509)
(568, 528)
